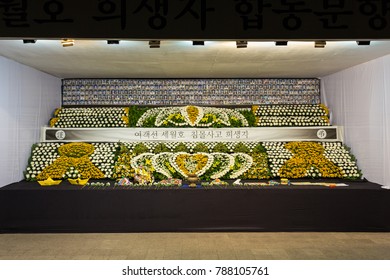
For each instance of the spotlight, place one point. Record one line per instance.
(281, 43)
(198, 43)
(67, 43)
(363, 43)
(113, 42)
(29, 41)
(241, 44)
(319, 44)
(154, 44)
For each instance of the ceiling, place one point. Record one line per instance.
(179, 59)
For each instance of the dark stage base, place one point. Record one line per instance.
(26, 207)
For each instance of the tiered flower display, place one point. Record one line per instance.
(192, 116)
(90, 117)
(291, 115)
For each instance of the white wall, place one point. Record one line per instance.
(359, 99)
(28, 98)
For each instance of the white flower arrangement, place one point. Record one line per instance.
(191, 164)
(158, 162)
(144, 160)
(246, 163)
(292, 121)
(292, 115)
(227, 163)
(91, 117)
(42, 155)
(103, 157)
(291, 110)
(337, 153)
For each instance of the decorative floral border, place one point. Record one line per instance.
(225, 160)
(191, 116)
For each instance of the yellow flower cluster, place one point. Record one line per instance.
(125, 120)
(254, 109)
(193, 113)
(259, 168)
(325, 109)
(176, 117)
(57, 111)
(76, 150)
(191, 163)
(59, 167)
(308, 156)
(53, 121)
(123, 168)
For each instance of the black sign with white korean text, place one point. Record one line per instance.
(196, 19)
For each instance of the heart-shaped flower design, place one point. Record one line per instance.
(186, 163)
(160, 162)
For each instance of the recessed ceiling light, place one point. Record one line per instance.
(154, 44)
(198, 43)
(29, 41)
(281, 43)
(319, 44)
(67, 43)
(113, 42)
(241, 44)
(363, 43)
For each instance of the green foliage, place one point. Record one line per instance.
(259, 149)
(250, 117)
(140, 149)
(181, 148)
(220, 148)
(150, 122)
(241, 148)
(201, 148)
(135, 113)
(161, 148)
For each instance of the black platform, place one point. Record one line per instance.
(27, 207)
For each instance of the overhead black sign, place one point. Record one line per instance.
(196, 19)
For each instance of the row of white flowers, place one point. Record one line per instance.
(195, 116)
(291, 110)
(42, 155)
(90, 117)
(292, 121)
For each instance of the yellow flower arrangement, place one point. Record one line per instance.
(191, 163)
(193, 113)
(72, 155)
(259, 169)
(308, 161)
(76, 150)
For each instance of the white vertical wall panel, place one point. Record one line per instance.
(27, 100)
(359, 99)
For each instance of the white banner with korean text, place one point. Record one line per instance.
(250, 134)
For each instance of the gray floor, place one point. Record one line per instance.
(190, 246)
